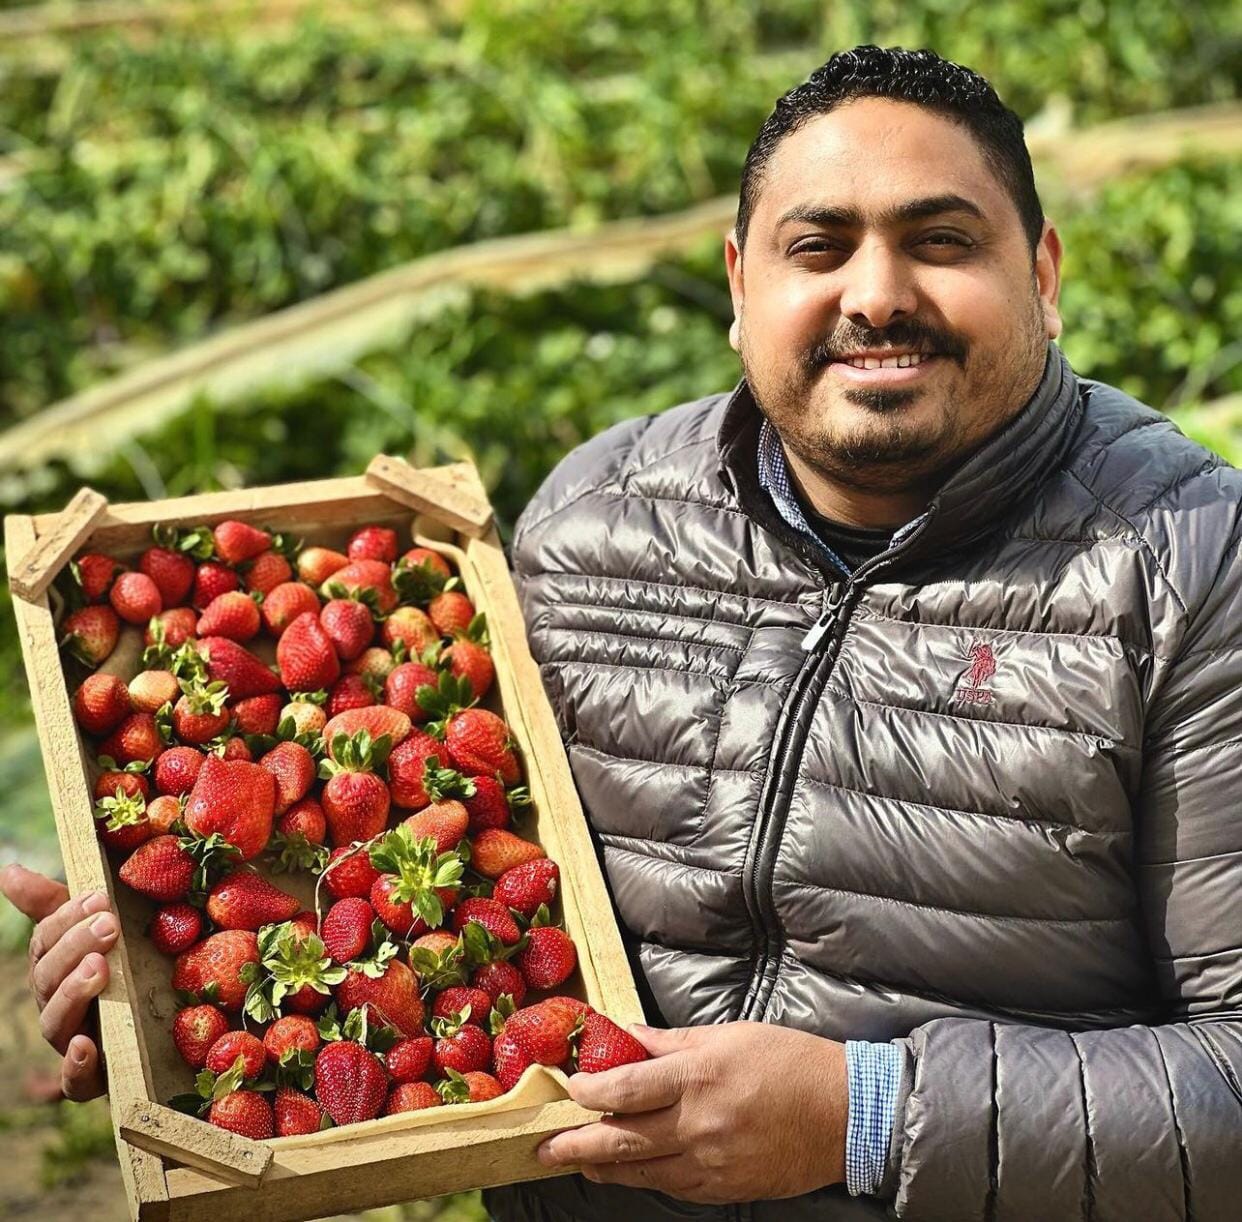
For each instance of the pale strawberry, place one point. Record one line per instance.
(524, 888)
(285, 603)
(296, 1112)
(373, 543)
(293, 766)
(90, 633)
(307, 717)
(494, 851)
(236, 667)
(95, 574)
(177, 769)
(258, 714)
(370, 581)
(349, 626)
(175, 927)
(171, 571)
(210, 581)
(374, 663)
(317, 564)
(233, 1044)
(246, 900)
(237, 542)
(410, 627)
(245, 1112)
(135, 598)
(234, 615)
(412, 1097)
(266, 571)
(347, 929)
(162, 813)
(236, 799)
(218, 960)
(101, 703)
(451, 612)
(350, 1082)
(195, 1029)
(150, 690)
(305, 655)
(378, 721)
(602, 1045)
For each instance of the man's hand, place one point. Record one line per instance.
(67, 969)
(722, 1114)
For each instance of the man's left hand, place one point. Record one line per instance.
(721, 1114)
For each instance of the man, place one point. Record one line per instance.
(899, 686)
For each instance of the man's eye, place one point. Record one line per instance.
(944, 239)
(812, 246)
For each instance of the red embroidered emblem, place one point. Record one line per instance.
(982, 667)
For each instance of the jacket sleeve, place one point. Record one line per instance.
(1011, 1123)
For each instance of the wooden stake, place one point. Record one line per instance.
(34, 572)
(450, 494)
(217, 1152)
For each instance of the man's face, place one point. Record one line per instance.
(880, 232)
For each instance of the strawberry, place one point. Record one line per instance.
(451, 612)
(304, 923)
(378, 722)
(543, 1032)
(349, 872)
(246, 900)
(122, 821)
(305, 655)
(112, 784)
(305, 818)
(369, 581)
(237, 800)
(350, 692)
(294, 1032)
(285, 603)
(473, 1087)
(355, 800)
(509, 1060)
(218, 960)
(90, 633)
(420, 575)
(373, 543)
(408, 1059)
(293, 766)
(136, 738)
(233, 1044)
(479, 744)
(135, 598)
(411, 764)
(245, 1112)
(495, 851)
(296, 1112)
(350, 1082)
(161, 869)
(172, 628)
(101, 703)
(458, 999)
(549, 957)
(439, 943)
(349, 626)
(210, 581)
(459, 1045)
(410, 627)
(307, 718)
(171, 571)
(150, 690)
(347, 929)
(526, 887)
(417, 885)
(424, 557)
(498, 978)
(374, 663)
(234, 615)
(470, 660)
(412, 1097)
(175, 927)
(602, 1045)
(494, 917)
(296, 976)
(234, 748)
(317, 564)
(237, 542)
(195, 1029)
(95, 574)
(266, 571)
(258, 714)
(392, 996)
(162, 813)
(445, 822)
(177, 769)
(199, 715)
(236, 667)
(491, 805)
(403, 685)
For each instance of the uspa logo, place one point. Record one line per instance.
(974, 688)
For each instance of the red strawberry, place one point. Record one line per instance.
(285, 603)
(403, 685)
(425, 558)
(451, 612)
(549, 957)
(527, 886)
(317, 564)
(305, 923)
(494, 917)
(418, 885)
(136, 738)
(236, 799)
(237, 542)
(268, 570)
(258, 714)
(473, 1087)
(349, 872)
(349, 692)
(94, 574)
(412, 628)
(237, 668)
(195, 1029)
(471, 661)
(305, 818)
(175, 927)
(445, 822)
(296, 1112)
(160, 869)
(356, 806)
(177, 769)
(397, 913)
(150, 690)
(393, 997)
(491, 805)
(122, 821)
(245, 1112)
(135, 598)
(234, 1044)
(463, 1047)
(374, 663)
(408, 1059)
(509, 1060)
(305, 655)
(114, 784)
(412, 1097)
(199, 715)
(542, 1032)
(246, 900)
(218, 960)
(457, 999)
(379, 722)
(407, 769)
(90, 634)
(479, 744)
(495, 851)
(101, 703)
(349, 626)
(172, 572)
(293, 766)
(603, 1045)
(174, 627)
(210, 581)
(294, 1032)
(162, 813)
(350, 1082)
(498, 978)
(347, 929)
(234, 615)
(373, 543)
(370, 581)
(235, 748)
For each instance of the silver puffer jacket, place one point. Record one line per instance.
(989, 808)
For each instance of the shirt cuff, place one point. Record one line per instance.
(873, 1072)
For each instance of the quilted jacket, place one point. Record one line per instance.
(983, 799)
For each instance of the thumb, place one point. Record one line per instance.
(663, 1041)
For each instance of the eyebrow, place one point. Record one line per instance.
(911, 210)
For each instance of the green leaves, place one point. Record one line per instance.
(356, 752)
(289, 960)
(420, 871)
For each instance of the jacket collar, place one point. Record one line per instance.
(975, 499)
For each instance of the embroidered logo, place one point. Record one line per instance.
(975, 689)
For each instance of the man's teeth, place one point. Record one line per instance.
(889, 362)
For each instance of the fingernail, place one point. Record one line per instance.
(546, 1154)
(96, 901)
(76, 1054)
(103, 926)
(87, 970)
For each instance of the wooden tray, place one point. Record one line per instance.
(178, 1167)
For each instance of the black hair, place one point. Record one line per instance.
(923, 79)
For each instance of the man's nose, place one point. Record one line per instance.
(876, 286)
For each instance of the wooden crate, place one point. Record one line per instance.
(178, 1167)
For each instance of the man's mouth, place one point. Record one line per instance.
(901, 360)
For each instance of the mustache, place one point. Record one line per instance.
(905, 334)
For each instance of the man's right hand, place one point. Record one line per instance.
(67, 969)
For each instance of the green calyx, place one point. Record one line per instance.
(357, 1027)
(440, 783)
(212, 855)
(383, 951)
(204, 698)
(451, 696)
(121, 810)
(450, 1024)
(286, 732)
(439, 970)
(198, 543)
(417, 583)
(476, 631)
(502, 1011)
(108, 764)
(296, 1068)
(288, 961)
(454, 1088)
(419, 870)
(295, 852)
(356, 752)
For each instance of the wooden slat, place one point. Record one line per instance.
(444, 493)
(215, 1151)
(34, 571)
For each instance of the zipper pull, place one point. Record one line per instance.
(826, 622)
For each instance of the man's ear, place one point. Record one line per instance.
(1048, 278)
(733, 265)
